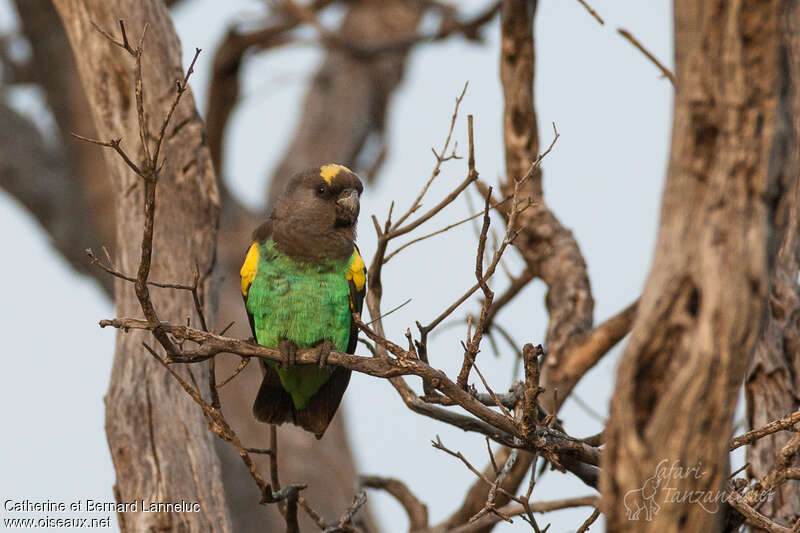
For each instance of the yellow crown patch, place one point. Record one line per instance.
(328, 172)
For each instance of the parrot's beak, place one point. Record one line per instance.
(347, 207)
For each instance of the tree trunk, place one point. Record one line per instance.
(160, 445)
(723, 216)
(773, 378)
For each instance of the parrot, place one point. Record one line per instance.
(301, 280)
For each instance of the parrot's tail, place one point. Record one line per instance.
(319, 412)
(273, 404)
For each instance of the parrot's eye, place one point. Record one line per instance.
(321, 190)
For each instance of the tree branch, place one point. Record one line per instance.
(416, 510)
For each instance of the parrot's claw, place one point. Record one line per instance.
(323, 351)
(288, 351)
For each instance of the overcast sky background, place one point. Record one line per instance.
(603, 180)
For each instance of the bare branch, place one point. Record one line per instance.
(344, 523)
(752, 516)
(503, 430)
(242, 364)
(519, 509)
(441, 157)
(785, 423)
(359, 50)
(530, 410)
(631, 39)
(416, 510)
(592, 12)
(584, 351)
(588, 522)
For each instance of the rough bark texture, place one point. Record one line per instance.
(773, 378)
(161, 448)
(723, 216)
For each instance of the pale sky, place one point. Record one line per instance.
(603, 180)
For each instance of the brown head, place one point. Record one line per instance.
(316, 215)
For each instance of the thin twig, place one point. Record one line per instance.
(489, 507)
(441, 230)
(416, 510)
(510, 235)
(514, 288)
(439, 445)
(318, 520)
(93, 259)
(518, 509)
(588, 522)
(115, 144)
(631, 39)
(592, 12)
(440, 158)
(390, 311)
(588, 408)
(346, 519)
(491, 457)
(785, 423)
(242, 364)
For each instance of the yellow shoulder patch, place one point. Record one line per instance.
(357, 271)
(328, 172)
(248, 271)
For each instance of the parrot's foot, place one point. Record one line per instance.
(323, 351)
(288, 351)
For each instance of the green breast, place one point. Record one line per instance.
(302, 302)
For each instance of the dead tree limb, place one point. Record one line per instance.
(723, 217)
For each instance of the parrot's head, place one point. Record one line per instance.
(317, 213)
